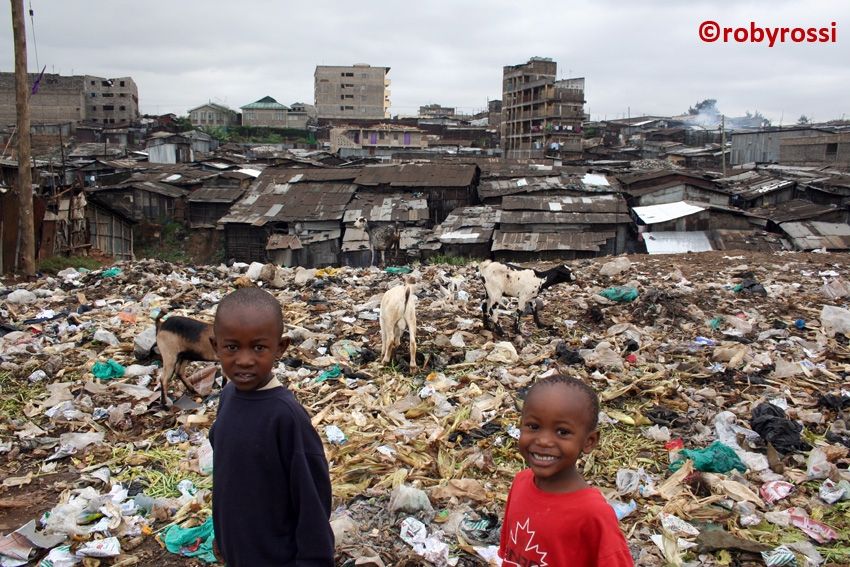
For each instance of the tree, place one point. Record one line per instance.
(183, 124)
(804, 119)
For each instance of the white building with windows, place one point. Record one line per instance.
(211, 115)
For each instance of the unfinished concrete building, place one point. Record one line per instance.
(357, 91)
(78, 98)
(541, 115)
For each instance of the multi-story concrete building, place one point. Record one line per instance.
(358, 91)
(78, 98)
(265, 112)
(435, 111)
(212, 114)
(382, 139)
(541, 115)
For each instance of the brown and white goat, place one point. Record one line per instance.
(398, 311)
(180, 340)
(504, 280)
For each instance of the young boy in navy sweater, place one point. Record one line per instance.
(271, 488)
(552, 516)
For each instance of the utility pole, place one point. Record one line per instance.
(723, 142)
(26, 234)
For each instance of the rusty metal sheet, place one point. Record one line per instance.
(382, 207)
(271, 199)
(323, 174)
(418, 175)
(814, 235)
(568, 204)
(538, 242)
(215, 195)
(468, 225)
(794, 210)
(543, 217)
(283, 242)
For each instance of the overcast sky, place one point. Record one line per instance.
(639, 57)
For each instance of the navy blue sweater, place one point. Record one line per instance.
(271, 488)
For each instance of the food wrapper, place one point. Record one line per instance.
(106, 547)
(779, 557)
(775, 490)
(818, 531)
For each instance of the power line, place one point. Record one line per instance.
(34, 40)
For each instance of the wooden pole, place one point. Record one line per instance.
(27, 226)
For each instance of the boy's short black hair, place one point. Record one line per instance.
(571, 382)
(253, 297)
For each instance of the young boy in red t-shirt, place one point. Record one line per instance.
(552, 517)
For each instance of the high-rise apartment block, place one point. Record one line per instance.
(541, 115)
(358, 91)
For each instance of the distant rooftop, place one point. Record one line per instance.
(265, 103)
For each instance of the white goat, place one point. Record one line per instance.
(503, 280)
(398, 311)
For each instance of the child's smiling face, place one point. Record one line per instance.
(556, 428)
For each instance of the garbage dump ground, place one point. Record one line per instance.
(725, 425)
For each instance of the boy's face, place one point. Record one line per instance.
(554, 432)
(248, 343)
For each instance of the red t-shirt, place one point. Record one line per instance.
(573, 529)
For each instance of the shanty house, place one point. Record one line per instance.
(149, 201)
(445, 186)
(305, 205)
(492, 191)
(829, 190)
(391, 221)
(208, 204)
(110, 230)
(799, 210)
(688, 226)
(670, 186)
(468, 231)
(166, 147)
(534, 227)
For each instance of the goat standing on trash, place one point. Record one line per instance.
(504, 280)
(398, 311)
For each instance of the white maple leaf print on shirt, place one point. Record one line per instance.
(522, 536)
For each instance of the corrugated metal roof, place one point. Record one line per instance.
(468, 225)
(418, 175)
(793, 210)
(379, 207)
(583, 183)
(765, 188)
(671, 242)
(215, 195)
(417, 238)
(272, 200)
(653, 214)
(567, 204)
(265, 103)
(324, 174)
(545, 217)
(814, 235)
(540, 241)
(149, 186)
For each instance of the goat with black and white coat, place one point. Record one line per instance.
(504, 280)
